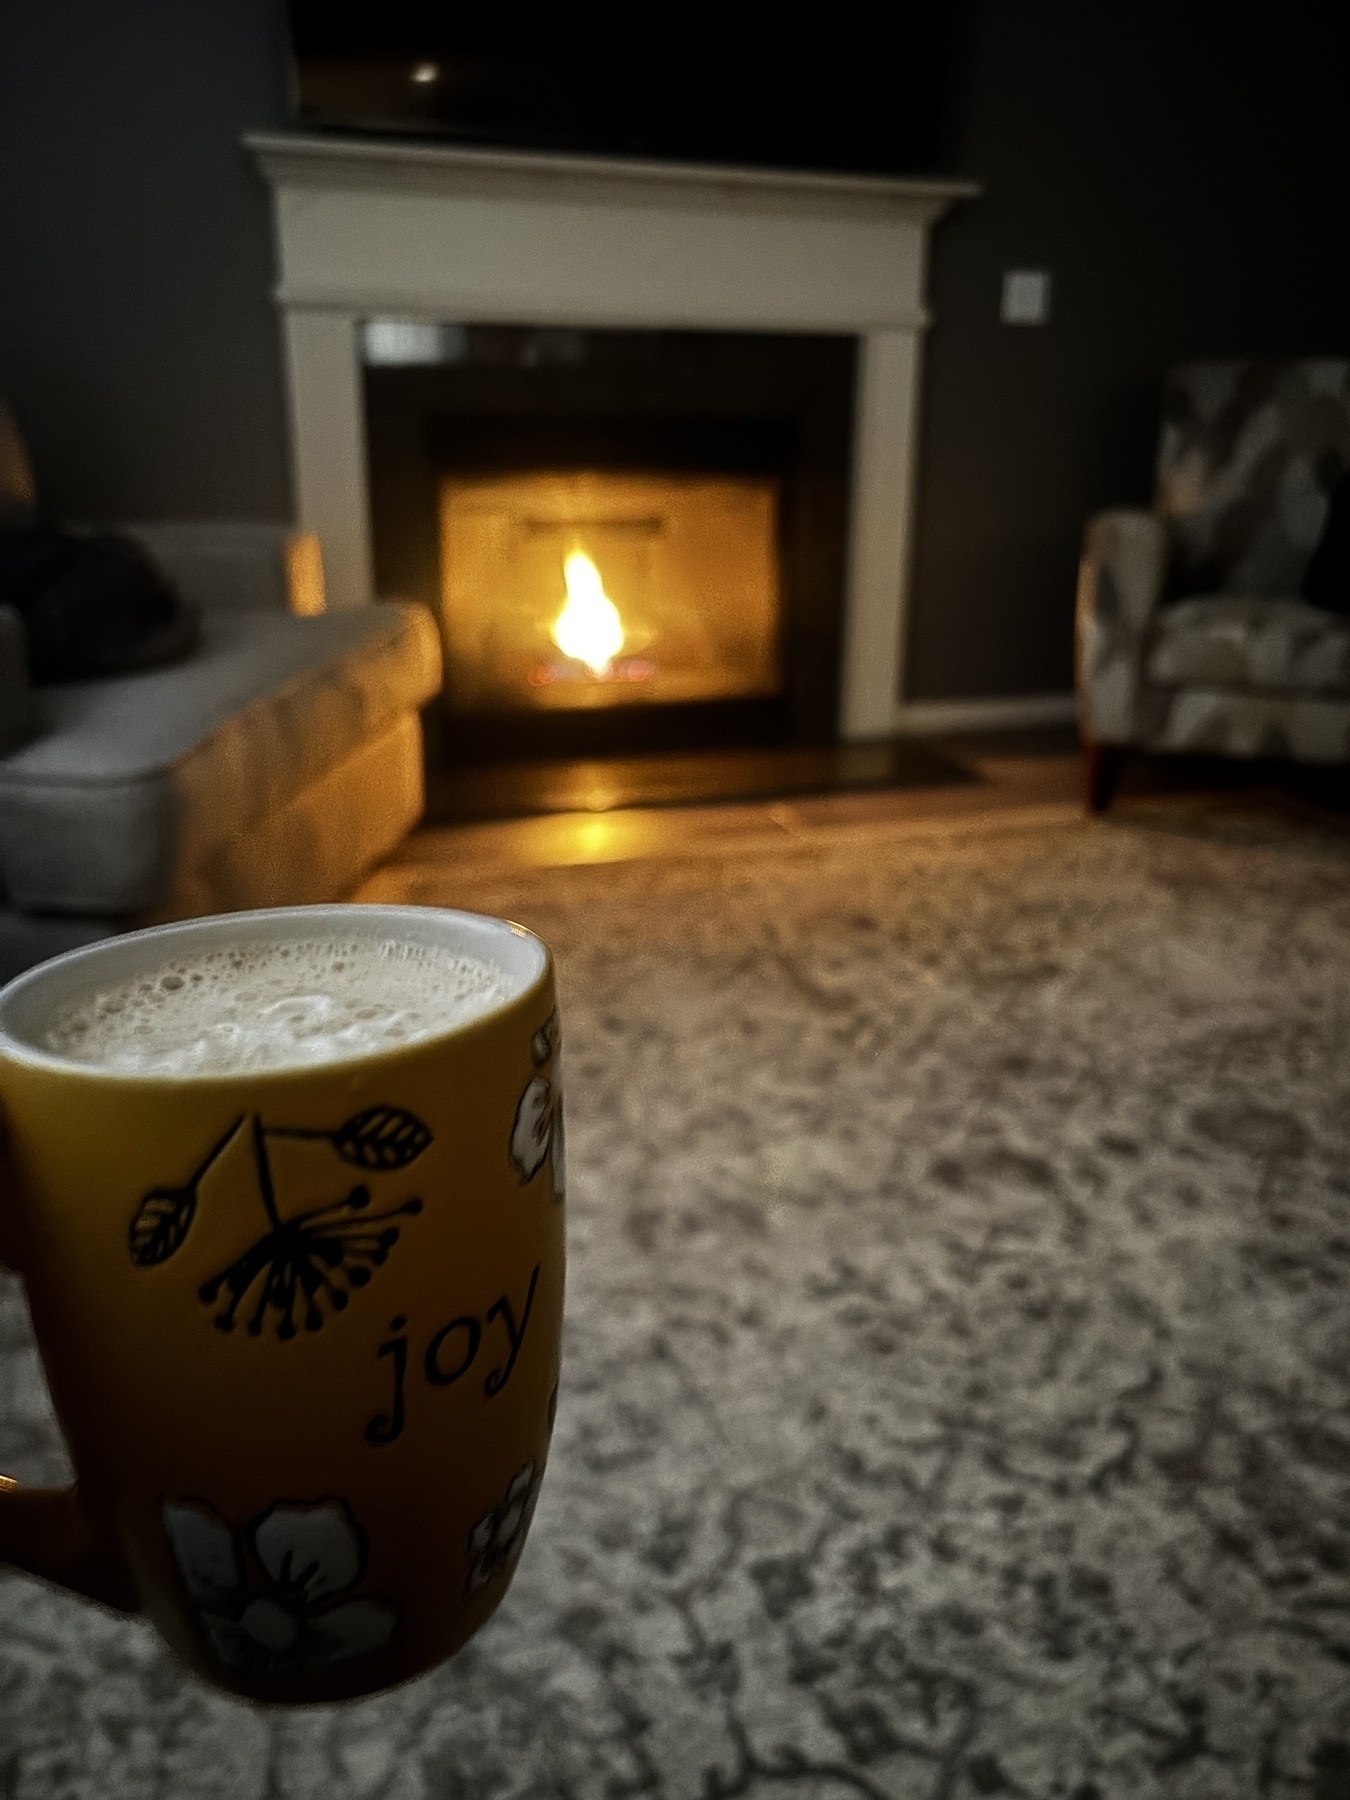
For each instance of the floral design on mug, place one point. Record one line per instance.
(304, 1263)
(310, 1556)
(499, 1536)
(544, 1043)
(537, 1130)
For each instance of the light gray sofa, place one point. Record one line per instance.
(272, 767)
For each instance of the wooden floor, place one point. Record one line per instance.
(1001, 776)
(1038, 775)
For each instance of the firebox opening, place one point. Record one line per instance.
(634, 540)
(575, 590)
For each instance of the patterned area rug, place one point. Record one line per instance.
(958, 1357)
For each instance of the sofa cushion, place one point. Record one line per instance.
(1271, 646)
(134, 780)
(229, 565)
(26, 939)
(1312, 728)
(1249, 453)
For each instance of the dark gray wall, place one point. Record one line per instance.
(1182, 171)
(138, 341)
(1179, 167)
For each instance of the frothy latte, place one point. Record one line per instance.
(289, 1003)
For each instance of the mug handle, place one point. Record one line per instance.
(46, 1531)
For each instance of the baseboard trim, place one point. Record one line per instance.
(933, 718)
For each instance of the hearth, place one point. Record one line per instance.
(631, 540)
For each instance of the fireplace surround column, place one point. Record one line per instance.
(328, 446)
(884, 430)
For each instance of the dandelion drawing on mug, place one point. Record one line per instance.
(312, 1260)
(499, 1536)
(537, 1132)
(275, 1599)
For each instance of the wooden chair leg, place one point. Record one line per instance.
(1105, 763)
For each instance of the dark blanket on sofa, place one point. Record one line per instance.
(91, 605)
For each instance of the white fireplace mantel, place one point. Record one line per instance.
(419, 231)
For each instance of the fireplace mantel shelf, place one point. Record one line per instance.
(376, 227)
(317, 161)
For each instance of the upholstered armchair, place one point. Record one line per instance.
(1191, 632)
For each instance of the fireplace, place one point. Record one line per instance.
(416, 234)
(630, 539)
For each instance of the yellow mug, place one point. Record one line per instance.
(301, 1326)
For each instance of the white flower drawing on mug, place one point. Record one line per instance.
(537, 1130)
(499, 1536)
(311, 1556)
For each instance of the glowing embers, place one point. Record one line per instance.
(584, 590)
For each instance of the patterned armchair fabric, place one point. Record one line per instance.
(1190, 631)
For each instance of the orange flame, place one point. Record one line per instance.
(588, 628)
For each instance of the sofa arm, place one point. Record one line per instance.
(1120, 581)
(18, 707)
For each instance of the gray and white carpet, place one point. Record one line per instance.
(958, 1361)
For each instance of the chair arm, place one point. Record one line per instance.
(18, 707)
(1120, 581)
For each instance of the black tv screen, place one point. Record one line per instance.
(861, 93)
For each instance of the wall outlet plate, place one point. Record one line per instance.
(1026, 297)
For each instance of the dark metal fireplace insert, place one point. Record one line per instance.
(633, 540)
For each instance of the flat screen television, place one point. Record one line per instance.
(852, 92)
